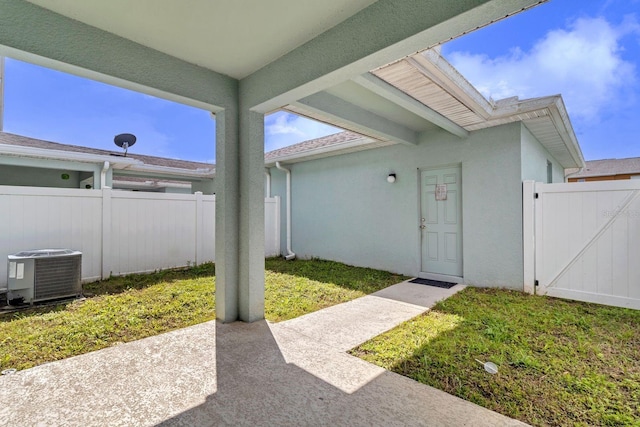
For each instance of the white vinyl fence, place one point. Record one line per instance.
(582, 241)
(117, 232)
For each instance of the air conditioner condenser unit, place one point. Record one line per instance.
(44, 274)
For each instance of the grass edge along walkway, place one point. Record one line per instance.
(560, 362)
(128, 308)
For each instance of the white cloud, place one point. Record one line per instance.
(584, 63)
(283, 129)
(281, 124)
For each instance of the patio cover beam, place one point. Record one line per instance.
(355, 118)
(398, 97)
(377, 35)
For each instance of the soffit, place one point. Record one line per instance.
(367, 100)
(430, 79)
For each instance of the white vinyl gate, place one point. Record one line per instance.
(582, 241)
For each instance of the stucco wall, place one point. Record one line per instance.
(38, 177)
(173, 190)
(207, 187)
(534, 160)
(48, 173)
(344, 209)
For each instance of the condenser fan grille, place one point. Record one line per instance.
(57, 277)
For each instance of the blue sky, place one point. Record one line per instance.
(588, 51)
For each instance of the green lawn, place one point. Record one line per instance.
(561, 363)
(128, 308)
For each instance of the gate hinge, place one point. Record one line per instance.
(535, 283)
(535, 196)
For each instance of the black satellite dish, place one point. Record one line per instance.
(125, 140)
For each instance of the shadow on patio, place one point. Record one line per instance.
(271, 375)
(232, 374)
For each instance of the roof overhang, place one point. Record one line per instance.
(48, 154)
(430, 79)
(399, 102)
(118, 163)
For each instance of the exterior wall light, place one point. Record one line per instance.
(391, 178)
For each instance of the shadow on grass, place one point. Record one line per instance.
(553, 356)
(366, 280)
(28, 311)
(119, 284)
(112, 286)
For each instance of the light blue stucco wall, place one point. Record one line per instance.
(34, 172)
(534, 160)
(38, 177)
(207, 187)
(343, 208)
(173, 190)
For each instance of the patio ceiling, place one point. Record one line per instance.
(235, 38)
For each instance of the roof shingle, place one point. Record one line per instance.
(23, 141)
(312, 144)
(609, 167)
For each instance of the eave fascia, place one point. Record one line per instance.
(561, 120)
(47, 154)
(115, 162)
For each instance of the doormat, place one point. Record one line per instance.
(436, 283)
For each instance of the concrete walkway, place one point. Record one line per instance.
(293, 373)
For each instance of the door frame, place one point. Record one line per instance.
(426, 274)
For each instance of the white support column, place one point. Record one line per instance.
(251, 260)
(528, 235)
(227, 218)
(106, 233)
(239, 216)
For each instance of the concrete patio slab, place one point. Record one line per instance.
(216, 374)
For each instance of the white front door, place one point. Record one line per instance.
(440, 221)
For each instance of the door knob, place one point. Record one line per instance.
(422, 226)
